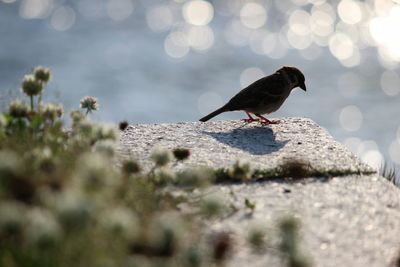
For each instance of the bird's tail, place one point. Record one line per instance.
(213, 114)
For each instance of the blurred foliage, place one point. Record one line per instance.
(64, 201)
(289, 243)
(389, 173)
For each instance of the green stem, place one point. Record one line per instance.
(87, 111)
(31, 102)
(40, 99)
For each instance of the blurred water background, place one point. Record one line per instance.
(154, 61)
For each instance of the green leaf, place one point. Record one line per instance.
(249, 204)
(36, 122)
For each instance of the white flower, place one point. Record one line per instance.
(73, 210)
(94, 172)
(43, 229)
(89, 103)
(161, 156)
(120, 221)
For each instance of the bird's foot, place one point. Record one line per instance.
(249, 120)
(266, 121)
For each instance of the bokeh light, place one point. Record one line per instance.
(390, 83)
(272, 46)
(373, 158)
(159, 18)
(299, 22)
(176, 44)
(321, 23)
(352, 143)
(384, 30)
(350, 11)
(365, 146)
(198, 12)
(351, 118)
(200, 37)
(253, 15)
(298, 41)
(35, 9)
(63, 18)
(357, 40)
(341, 46)
(369, 152)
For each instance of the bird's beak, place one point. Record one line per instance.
(303, 86)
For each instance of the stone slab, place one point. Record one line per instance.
(351, 220)
(345, 221)
(220, 143)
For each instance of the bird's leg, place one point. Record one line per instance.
(264, 120)
(250, 119)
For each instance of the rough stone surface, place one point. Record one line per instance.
(345, 221)
(351, 220)
(221, 143)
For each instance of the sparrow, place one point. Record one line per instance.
(264, 96)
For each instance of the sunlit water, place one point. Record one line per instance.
(153, 61)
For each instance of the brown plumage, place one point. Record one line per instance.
(264, 96)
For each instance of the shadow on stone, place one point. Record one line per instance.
(257, 140)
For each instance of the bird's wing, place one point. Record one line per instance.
(271, 87)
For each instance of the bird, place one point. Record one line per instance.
(264, 96)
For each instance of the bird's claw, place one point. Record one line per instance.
(266, 122)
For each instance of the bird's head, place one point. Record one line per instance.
(296, 77)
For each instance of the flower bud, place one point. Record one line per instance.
(130, 167)
(31, 86)
(181, 153)
(123, 125)
(42, 74)
(17, 109)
